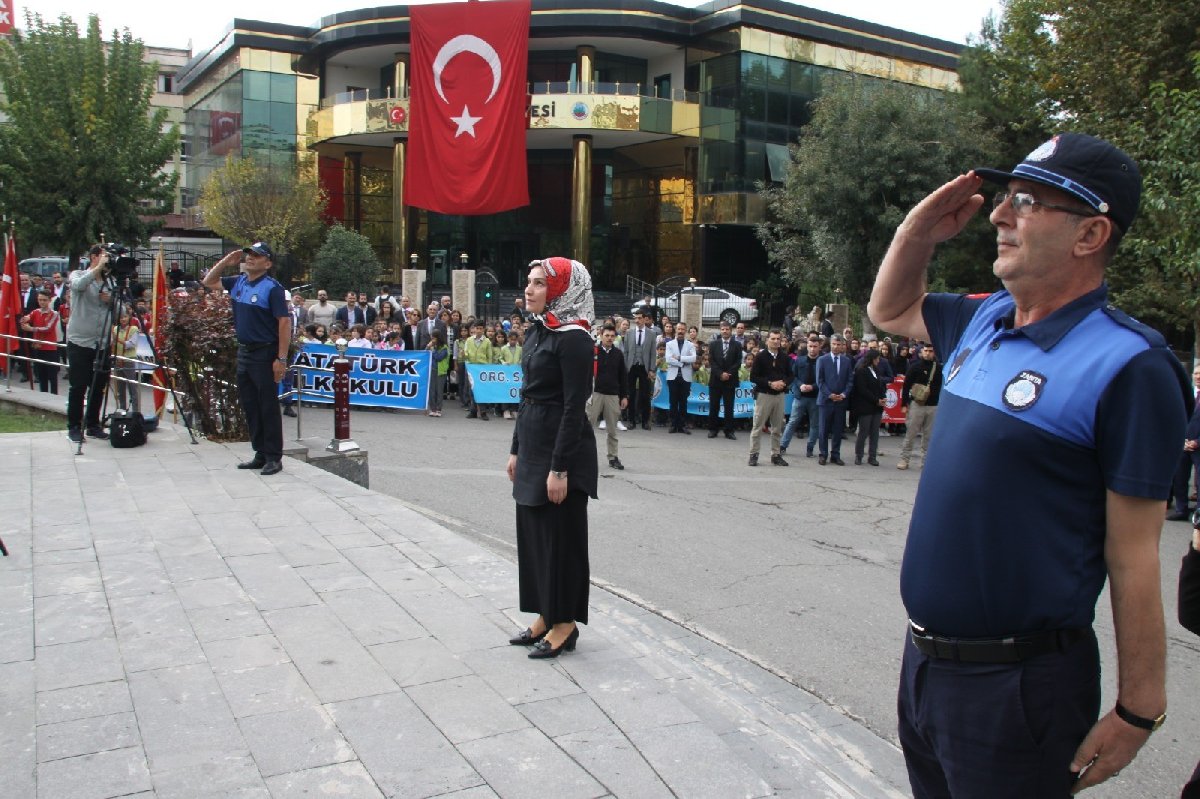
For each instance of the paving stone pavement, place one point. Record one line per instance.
(173, 627)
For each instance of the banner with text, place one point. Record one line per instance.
(378, 378)
(499, 383)
(697, 404)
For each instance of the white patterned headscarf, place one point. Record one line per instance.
(569, 303)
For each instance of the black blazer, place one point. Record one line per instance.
(730, 363)
(867, 391)
(552, 432)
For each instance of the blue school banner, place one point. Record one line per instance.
(697, 404)
(495, 383)
(378, 378)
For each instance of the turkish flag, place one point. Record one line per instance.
(466, 141)
(10, 301)
(159, 310)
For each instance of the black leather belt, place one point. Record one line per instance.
(994, 650)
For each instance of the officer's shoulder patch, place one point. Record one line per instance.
(1152, 336)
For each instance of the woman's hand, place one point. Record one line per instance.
(556, 488)
(511, 468)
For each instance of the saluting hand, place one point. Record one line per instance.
(945, 212)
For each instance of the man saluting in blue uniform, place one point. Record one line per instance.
(264, 332)
(1058, 430)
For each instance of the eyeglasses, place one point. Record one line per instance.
(1023, 202)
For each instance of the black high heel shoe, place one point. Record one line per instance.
(542, 649)
(527, 638)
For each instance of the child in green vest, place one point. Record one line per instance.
(479, 350)
(509, 355)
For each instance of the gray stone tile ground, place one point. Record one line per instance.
(173, 627)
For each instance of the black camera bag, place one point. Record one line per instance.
(126, 430)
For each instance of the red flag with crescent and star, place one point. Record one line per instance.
(466, 141)
(159, 310)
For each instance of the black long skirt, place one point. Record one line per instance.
(552, 558)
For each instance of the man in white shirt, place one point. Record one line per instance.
(681, 355)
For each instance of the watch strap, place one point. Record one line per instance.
(1140, 722)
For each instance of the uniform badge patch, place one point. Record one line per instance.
(1024, 390)
(1043, 150)
(253, 298)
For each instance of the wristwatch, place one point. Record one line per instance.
(282, 361)
(559, 475)
(1140, 721)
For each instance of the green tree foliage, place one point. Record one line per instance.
(872, 151)
(82, 153)
(345, 262)
(246, 201)
(1163, 282)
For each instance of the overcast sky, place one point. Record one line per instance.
(200, 24)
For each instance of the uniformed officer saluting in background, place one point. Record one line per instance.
(1058, 433)
(264, 331)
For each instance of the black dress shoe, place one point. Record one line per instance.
(729, 434)
(97, 432)
(685, 431)
(1177, 516)
(256, 463)
(288, 410)
(645, 425)
(837, 462)
(872, 461)
(616, 464)
(527, 638)
(483, 416)
(272, 467)
(712, 433)
(542, 648)
(822, 460)
(858, 461)
(778, 460)
(75, 434)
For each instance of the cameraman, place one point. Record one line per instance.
(86, 337)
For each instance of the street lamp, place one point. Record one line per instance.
(692, 285)
(413, 260)
(463, 259)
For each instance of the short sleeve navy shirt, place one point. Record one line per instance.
(257, 307)
(1035, 424)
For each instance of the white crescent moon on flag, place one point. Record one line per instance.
(466, 43)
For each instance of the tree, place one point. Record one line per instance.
(82, 153)
(345, 262)
(872, 150)
(1164, 282)
(246, 201)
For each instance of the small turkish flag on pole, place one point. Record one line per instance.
(466, 143)
(159, 310)
(10, 301)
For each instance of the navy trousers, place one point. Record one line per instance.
(993, 731)
(833, 424)
(259, 394)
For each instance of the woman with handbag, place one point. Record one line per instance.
(552, 463)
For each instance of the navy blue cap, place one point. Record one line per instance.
(260, 248)
(1101, 175)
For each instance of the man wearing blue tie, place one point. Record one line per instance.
(835, 380)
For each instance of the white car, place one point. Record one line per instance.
(719, 305)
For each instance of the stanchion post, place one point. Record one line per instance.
(341, 402)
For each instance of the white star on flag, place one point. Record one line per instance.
(465, 122)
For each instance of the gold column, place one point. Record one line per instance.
(585, 67)
(581, 199)
(399, 210)
(400, 76)
(352, 189)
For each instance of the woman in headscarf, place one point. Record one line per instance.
(553, 458)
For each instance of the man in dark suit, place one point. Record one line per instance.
(364, 305)
(724, 358)
(426, 326)
(835, 381)
(638, 347)
(350, 314)
(1189, 460)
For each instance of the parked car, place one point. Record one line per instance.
(46, 265)
(719, 305)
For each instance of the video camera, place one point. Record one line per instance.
(121, 265)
